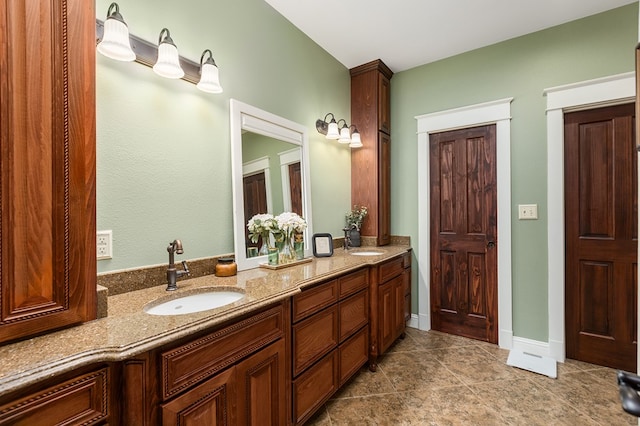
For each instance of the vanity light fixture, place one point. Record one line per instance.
(343, 135)
(115, 43)
(147, 53)
(209, 74)
(168, 63)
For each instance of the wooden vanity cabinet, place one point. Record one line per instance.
(371, 164)
(48, 156)
(391, 304)
(330, 339)
(78, 398)
(235, 374)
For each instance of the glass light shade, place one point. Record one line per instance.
(168, 64)
(332, 131)
(209, 79)
(345, 135)
(115, 43)
(355, 140)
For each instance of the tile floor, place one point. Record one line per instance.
(432, 378)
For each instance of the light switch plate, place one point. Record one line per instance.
(104, 242)
(527, 211)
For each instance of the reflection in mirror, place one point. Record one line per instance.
(270, 170)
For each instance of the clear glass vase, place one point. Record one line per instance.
(264, 248)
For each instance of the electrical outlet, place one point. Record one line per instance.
(104, 245)
(527, 211)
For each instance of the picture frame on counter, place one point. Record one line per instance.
(322, 245)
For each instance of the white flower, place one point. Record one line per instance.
(261, 224)
(289, 222)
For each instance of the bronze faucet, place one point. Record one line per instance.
(172, 273)
(347, 237)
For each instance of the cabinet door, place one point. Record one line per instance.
(384, 104)
(210, 404)
(262, 387)
(384, 189)
(398, 301)
(386, 315)
(47, 178)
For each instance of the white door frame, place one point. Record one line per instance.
(495, 112)
(612, 90)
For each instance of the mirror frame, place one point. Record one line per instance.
(245, 117)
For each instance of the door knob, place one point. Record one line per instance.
(491, 244)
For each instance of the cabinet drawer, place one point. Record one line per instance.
(390, 269)
(314, 337)
(353, 282)
(353, 354)
(314, 387)
(81, 400)
(199, 359)
(354, 313)
(314, 299)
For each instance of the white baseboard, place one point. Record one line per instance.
(413, 321)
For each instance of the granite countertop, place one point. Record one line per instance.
(127, 330)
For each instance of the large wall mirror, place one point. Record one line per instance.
(270, 170)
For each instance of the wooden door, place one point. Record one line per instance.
(255, 201)
(47, 166)
(295, 188)
(601, 213)
(464, 298)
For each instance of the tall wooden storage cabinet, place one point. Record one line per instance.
(370, 165)
(47, 165)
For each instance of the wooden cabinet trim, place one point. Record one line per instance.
(314, 299)
(190, 363)
(81, 400)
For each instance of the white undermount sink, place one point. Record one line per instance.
(366, 253)
(191, 303)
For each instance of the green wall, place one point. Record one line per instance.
(164, 162)
(164, 168)
(521, 68)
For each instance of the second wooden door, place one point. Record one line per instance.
(464, 299)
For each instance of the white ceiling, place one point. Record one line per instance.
(409, 33)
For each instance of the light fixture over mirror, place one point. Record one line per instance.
(267, 144)
(343, 134)
(209, 75)
(115, 43)
(168, 63)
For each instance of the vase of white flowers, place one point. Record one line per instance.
(354, 221)
(260, 226)
(289, 224)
